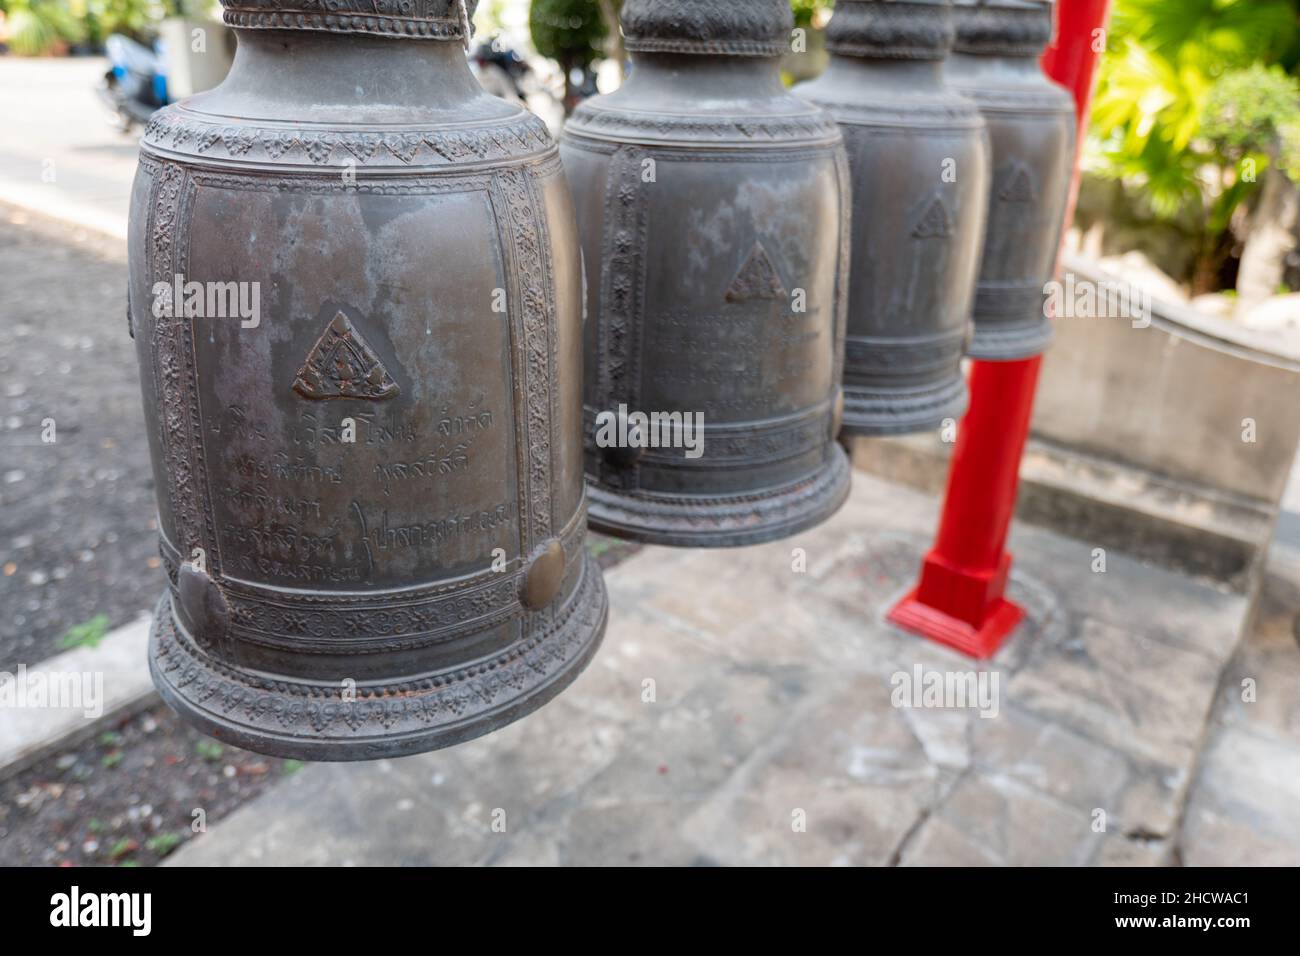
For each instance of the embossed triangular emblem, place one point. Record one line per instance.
(935, 223)
(342, 365)
(757, 278)
(1017, 184)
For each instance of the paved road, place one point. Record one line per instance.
(67, 162)
(76, 536)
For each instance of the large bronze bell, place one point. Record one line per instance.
(369, 487)
(713, 211)
(918, 153)
(1031, 129)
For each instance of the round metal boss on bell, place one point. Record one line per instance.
(356, 300)
(1031, 129)
(713, 210)
(918, 153)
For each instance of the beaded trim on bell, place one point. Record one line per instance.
(420, 19)
(895, 31)
(1002, 31)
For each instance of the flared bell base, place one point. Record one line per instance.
(722, 521)
(1009, 341)
(876, 411)
(313, 721)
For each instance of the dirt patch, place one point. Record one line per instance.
(129, 796)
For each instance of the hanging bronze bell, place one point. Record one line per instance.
(918, 153)
(1031, 130)
(369, 486)
(713, 211)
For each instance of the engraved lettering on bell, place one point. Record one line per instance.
(719, 283)
(342, 365)
(422, 545)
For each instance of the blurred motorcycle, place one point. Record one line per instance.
(500, 70)
(135, 84)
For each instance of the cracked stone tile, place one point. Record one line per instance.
(995, 819)
(630, 832)
(1136, 694)
(685, 749)
(940, 843)
(1049, 758)
(847, 768)
(1116, 850)
(1186, 613)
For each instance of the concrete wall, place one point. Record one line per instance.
(1171, 398)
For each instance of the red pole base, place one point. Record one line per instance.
(976, 619)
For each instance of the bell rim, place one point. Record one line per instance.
(869, 412)
(582, 628)
(1009, 341)
(696, 521)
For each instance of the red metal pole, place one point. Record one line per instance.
(959, 599)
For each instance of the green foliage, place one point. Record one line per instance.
(86, 634)
(568, 31)
(209, 750)
(134, 18)
(805, 10)
(37, 27)
(163, 843)
(1255, 113)
(1185, 97)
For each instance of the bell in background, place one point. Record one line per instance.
(355, 293)
(713, 210)
(918, 153)
(1031, 129)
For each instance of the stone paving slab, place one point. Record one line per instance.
(1245, 807)
(770, 735)
(69, 163)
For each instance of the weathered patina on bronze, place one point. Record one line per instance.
(713, 211)
(371, 499)
(1031, 129)
(918, 153)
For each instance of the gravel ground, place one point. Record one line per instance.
(77, 536)
(127, 797)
